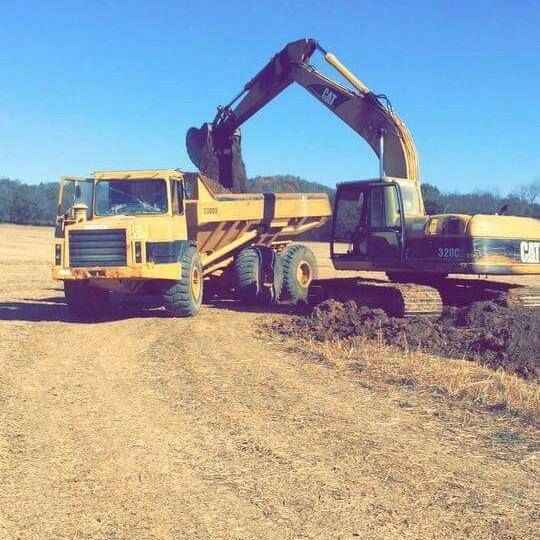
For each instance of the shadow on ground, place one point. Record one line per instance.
(231, 304)
(54, 309)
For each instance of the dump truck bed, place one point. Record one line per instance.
(220, 223)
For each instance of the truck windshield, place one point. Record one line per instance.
(130, 197)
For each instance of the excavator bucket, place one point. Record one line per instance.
(218, 156)
(197, 139)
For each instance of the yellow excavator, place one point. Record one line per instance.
(380, 224)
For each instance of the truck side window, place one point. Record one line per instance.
(177, 197)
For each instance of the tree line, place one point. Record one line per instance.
(31, 204)
(35, 204)
(523, 201)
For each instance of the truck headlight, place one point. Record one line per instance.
(58, 254)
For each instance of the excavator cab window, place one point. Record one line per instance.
(367, 222)
(376, 208)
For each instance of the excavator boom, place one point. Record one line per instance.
(215, 148)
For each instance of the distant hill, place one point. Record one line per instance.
(35, 204)
(294, 184)
(286, 184)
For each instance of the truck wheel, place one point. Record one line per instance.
(299, 270)
(259, 275)
(84, 300)
(184, 297)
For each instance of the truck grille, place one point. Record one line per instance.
(94, 248)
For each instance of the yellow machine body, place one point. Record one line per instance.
(370, 234)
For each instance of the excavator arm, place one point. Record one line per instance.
(215, 148)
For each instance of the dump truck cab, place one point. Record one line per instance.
(120, 225)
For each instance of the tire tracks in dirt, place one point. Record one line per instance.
(147, 427)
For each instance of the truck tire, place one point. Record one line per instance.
(83, 300)
(299, 270)
(183, 298)
(259, 275)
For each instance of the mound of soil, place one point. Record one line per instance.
(492, 334)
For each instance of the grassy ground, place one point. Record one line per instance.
(459, 381)
(146, 427)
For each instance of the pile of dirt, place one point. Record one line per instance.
(486, 332)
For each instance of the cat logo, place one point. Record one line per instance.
(329, 97)
(530, 252)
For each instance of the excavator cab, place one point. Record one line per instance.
(368, 225)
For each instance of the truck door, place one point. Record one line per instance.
(74, 189)
(368, 225)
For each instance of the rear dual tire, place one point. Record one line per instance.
(259, 275)
(264, 277)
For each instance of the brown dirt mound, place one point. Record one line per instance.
(486, 332)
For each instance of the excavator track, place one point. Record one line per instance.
(524, 297)
(462, 292)
(396, 299)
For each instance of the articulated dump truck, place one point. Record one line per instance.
(165, 235)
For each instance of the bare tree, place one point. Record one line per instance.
(529, 192)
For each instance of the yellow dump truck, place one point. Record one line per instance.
(166, 234)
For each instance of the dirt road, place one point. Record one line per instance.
(154, 428)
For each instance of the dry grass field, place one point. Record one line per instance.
(147, 427)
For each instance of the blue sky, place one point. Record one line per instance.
(115, 84)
